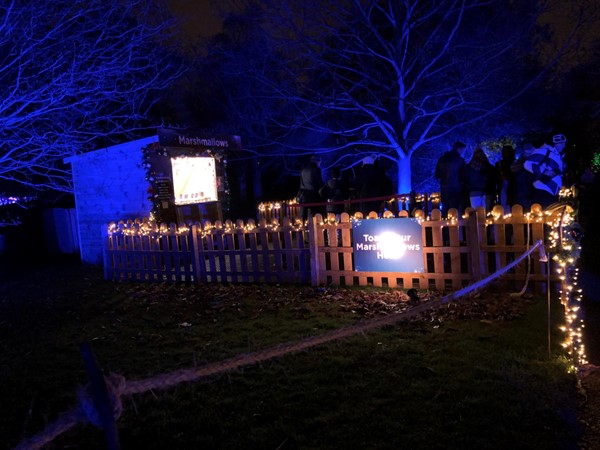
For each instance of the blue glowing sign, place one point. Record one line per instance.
(388, 245)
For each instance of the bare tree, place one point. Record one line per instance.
(74, 75)
(389, 77)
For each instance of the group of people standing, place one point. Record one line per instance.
(370, 181)
(534, 177)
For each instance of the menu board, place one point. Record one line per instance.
(194, 180)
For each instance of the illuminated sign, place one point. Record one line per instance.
(388, 245)
(190, 138)
(194, 180)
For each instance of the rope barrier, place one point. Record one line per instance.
(118, 386)
(543, 257)
(65, 422)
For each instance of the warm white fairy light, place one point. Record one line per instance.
(149, 228)
(564, 243)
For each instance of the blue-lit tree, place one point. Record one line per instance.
(74, 75)
(352, 77)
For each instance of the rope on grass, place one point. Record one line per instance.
(118, 386)
(65, 422)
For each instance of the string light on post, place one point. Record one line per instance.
(565, 245)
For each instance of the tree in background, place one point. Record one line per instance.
(75, 76)
(392, 78)
(574, 83)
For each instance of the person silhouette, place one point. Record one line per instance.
(334, 190)
(479, 181)
(311, 181)
(546, 165)
(447, 171)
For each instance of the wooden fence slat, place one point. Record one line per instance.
(316, 242)
(454, 242)
(475, 236)
(520, 231)
(219, 240)
(254, 255)
(232, 255)
(174, 252)
(211, 251)
(263, 242)
(275, 238)
(437, 227)
(158, 250)
(346, 230)
(240, 238)
(289, 253)
(301, 240)
(197, 249)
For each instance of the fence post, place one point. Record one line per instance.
(100, 397)
(105, 251)
(475, 245)
(194, 248)
(313, 246)
(199, 256)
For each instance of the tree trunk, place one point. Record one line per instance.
(404, 175)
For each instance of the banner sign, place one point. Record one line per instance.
(168, 137)
(388, 245)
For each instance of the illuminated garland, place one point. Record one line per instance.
(152, 229)
(281, 209)
(565, 246)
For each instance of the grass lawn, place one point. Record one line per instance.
(472, 375)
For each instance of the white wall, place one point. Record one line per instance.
(110, 185)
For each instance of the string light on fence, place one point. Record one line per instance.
(564, 242)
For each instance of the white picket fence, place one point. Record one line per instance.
(456, 251)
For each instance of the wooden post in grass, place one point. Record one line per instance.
(316, 240)
(100, 397)
(476, 233)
